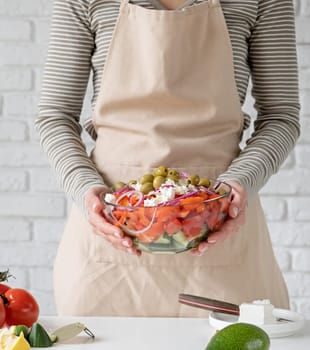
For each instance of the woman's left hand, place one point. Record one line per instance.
(236, 218)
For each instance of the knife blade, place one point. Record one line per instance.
(209, 304)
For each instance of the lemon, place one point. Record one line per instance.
(240, 336)
(9, 341)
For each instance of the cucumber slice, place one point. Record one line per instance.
(38, 337)
(164, 239)
(180, 238)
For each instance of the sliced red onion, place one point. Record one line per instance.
(129, 194)
(176, 201)
(206, 189)
(123, 189)
(183, 175)
(137, 232)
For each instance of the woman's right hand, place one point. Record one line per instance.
(102, 227)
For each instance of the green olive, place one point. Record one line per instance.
(119, 185)
(158, 181)
(173, 175)
(221, 191)
(161, 171)
(204, 182)
(193, 180)
(147, 187)
(132, 182)
(173, 172)
(146, 178)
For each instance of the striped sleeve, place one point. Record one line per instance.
(65, 80)
(273, 65)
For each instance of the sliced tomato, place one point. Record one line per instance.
(212, 215)
(165, 214)
(152, 234)
(171, 227)
(192, 226)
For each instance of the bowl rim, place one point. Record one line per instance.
(227, 194)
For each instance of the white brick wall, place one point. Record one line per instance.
(33, 209)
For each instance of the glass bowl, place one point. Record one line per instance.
(172, 228)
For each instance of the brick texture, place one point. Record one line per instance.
(32, 207)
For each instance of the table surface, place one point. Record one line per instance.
(154, 334)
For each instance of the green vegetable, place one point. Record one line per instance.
(119, 185)
(193, 180)
(204, 182)
(22, 329)
(173, 175)
(146, 178)
(161, 171)
(240, 336)
(38, 337)
(132, 182)
(180, 238)
(53, 338)
(147, 187)
(158, 181)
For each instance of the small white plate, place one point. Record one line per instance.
(289, 322)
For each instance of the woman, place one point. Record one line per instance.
(169, 82)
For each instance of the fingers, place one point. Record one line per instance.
(100, 226)
(236, 218)
(231, 226)
(124, 244)
(238, 199)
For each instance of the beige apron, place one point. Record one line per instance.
(168, 96)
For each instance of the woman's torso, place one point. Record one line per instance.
(239, 16)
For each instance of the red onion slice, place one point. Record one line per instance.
(137, 232)
(130, 194)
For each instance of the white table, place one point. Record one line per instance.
(154, 334)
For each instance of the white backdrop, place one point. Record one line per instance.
(33, 208)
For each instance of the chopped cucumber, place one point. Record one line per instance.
(180, 238)
(164, 239)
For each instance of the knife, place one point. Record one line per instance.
(214, 305)
(209, 304)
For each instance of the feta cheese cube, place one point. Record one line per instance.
(259, 312)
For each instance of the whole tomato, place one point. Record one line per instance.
(2, 313)
(4, 276)
(20, 307)
(3, 288)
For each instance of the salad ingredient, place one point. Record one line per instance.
(20, 307)
(38, 337)
(162, 170)
(9, 341)
(132, 182)
(21, 329)
(259, 312)
(158, 181)
(119, 185)
(204, 182)
(174, 212)
(2, 313)
(4, 276)
(241, 336)
(147, 187)
(146, 178)
(193, 180)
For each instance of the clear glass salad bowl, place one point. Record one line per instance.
(172, 227)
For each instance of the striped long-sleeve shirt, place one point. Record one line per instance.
(262, 34)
